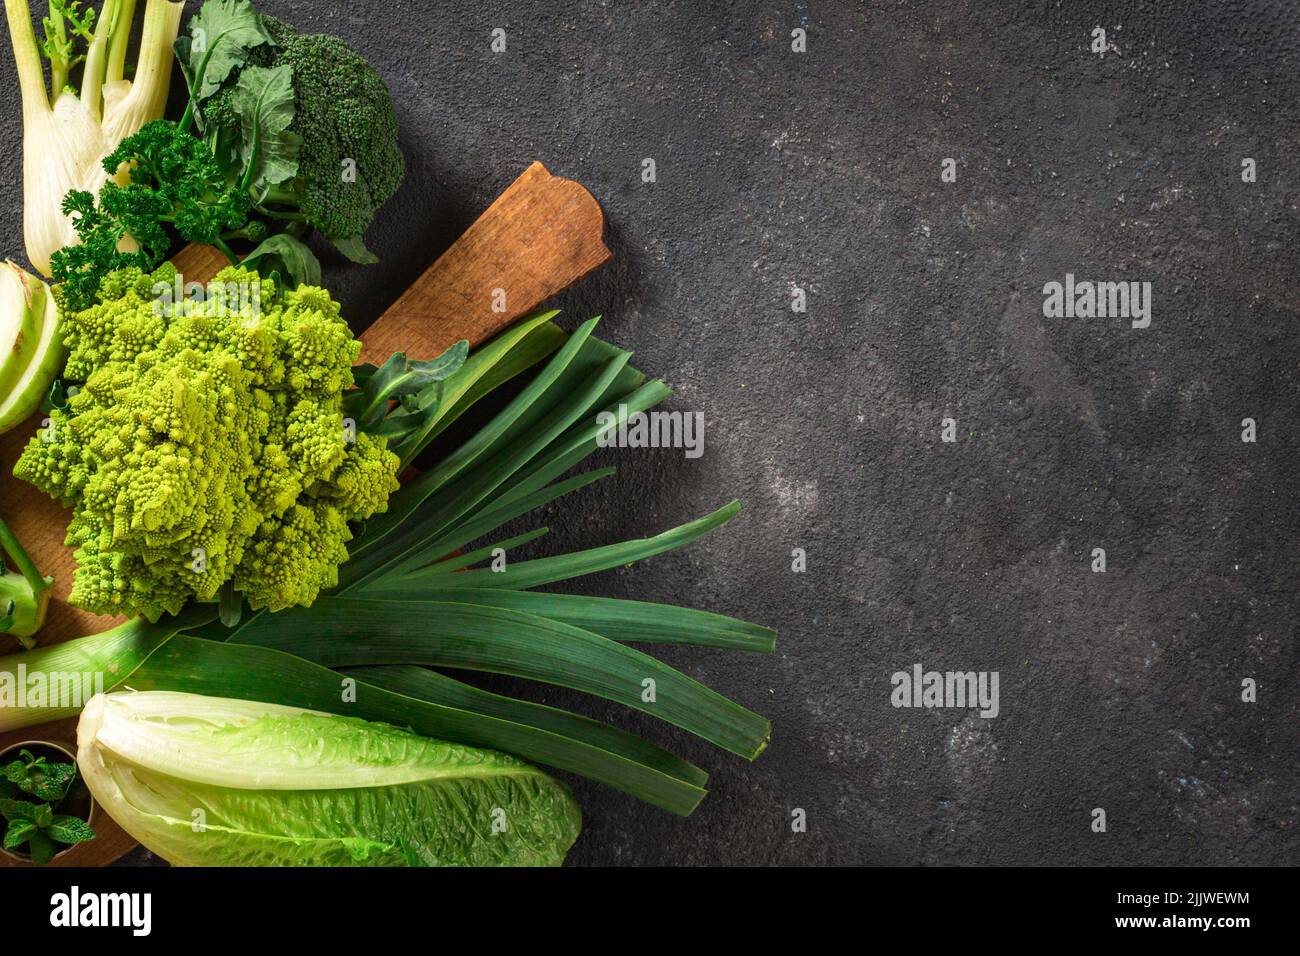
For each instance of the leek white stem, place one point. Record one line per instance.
(50, 683)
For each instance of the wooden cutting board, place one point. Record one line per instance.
(540, 236)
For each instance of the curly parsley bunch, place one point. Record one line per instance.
(174, 182)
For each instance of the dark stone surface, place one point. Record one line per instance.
(1119, 691)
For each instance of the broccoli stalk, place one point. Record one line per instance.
(24, 593)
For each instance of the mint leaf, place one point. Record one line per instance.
(42, 848)
(18, 833)
(68, 829)
(17, 810)
(51, 781)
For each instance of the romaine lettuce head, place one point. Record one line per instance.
(209, 781)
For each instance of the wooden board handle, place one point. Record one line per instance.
(540, 236)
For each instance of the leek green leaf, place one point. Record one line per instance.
(348, 632)
(437, 708)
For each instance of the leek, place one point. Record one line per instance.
(398, 614)
(56, 681)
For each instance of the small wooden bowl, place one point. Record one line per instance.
(110, 842)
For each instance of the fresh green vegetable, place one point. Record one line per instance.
(416, 386)
(31, 791)
(397, 611)
(310, 119)
(43, 780)
(207, 781)
(176, 188)
(114, 655)
(66, 133)
(24, 592)
(31, 344)
(432, 704)
(221, 34)
(282, 254)
(207, 446)
(174, 182)
(298, 133)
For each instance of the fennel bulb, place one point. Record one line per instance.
(211, 781)
(31, 344)
(67, 133)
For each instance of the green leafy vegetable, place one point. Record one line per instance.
(294, 132)
(284, 786)
(175, 183)
(239, 468)
(284, 254)
(347, 632)
(43, 780)
(31, 791)
(221, 34)
(410, 597)
(349, 163)
(263, 98)
(431, 704)
(417, 387)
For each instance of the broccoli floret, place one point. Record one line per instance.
(349, 163)
(206, 447)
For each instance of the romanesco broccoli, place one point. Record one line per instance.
(205, 447)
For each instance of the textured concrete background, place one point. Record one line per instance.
(821, 170)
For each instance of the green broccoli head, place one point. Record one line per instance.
(349, 164)
(207, 444)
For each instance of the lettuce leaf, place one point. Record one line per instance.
(205, 781)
